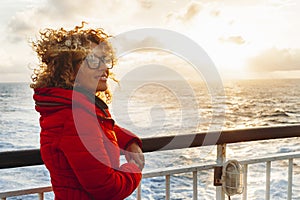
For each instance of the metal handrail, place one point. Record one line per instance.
(37, 190)
(22, 158)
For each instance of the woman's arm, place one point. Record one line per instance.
(131, 146)
(126, 137)
(84, 147)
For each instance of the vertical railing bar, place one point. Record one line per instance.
(41, 195)
(268, 178)
(290, 179)
(245, 182)
(139, 192)
(221, 158)
(168, 192)
(195, 185)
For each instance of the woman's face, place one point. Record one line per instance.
(93, 72)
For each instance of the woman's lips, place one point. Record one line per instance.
(102, 78)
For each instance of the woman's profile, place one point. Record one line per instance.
(79, 141)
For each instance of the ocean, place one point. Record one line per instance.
(171, 108)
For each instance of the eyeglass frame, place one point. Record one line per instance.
(99, 63)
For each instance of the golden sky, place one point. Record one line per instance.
(244, 38)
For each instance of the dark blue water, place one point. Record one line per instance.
(168, 109)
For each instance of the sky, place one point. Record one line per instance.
(245, 39)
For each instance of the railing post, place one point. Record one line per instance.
(268, 179)
(139, 192)
(221, 158)
(168, 183)
(195, 185)
(245, 182)
(290, 179)
(41, 196)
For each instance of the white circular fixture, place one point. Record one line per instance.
(232, 178)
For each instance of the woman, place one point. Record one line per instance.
(80, 143)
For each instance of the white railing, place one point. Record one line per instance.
(39, 191)
(219, 193)
(31, 157)
(168, 172)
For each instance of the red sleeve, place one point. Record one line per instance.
(125, 137)
(94, 172)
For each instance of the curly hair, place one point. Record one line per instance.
(59, 53)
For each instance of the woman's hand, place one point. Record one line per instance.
(134, 154)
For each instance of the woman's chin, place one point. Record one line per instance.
(101, 87)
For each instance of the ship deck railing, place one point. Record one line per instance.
(25, 158)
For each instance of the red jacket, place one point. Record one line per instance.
(80, 146)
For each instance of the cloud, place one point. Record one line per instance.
(215, 13)
(235, 2)
(112, 15)
(192, 10)
(186, 14)
(146, 3)
(67, 14)
(68, 9)
(233, 39)
(115, 16)
(123, 44)
(282, 3)
(21, 26)
(275, 59)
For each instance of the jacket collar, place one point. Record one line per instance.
(99, 102)
(50, 99)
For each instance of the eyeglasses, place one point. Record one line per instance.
(95, 62)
